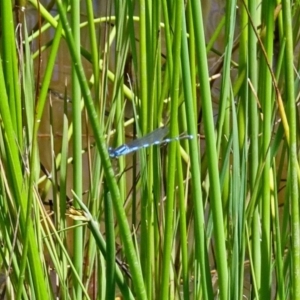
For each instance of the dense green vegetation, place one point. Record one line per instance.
(212, 217)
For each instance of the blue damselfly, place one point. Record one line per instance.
(155, 137)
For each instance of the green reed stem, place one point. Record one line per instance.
(290, 88)
(265, 95)
(212, 158)
(77, 142)
(169, 214)
(199, 227)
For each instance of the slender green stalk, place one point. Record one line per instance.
(77, 141)
(277, 237)
(183, 230)
(111, 251)
(61, 218)
(240, 185)
(200, 235)
(143, 66)
(10, 67)
(94, 49)
(211, 150)
(253, 136)
(232, 186)
(146, 71)
(168, 233)
(289, 55)
(265, 96)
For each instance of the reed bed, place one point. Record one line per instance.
(215, 216)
